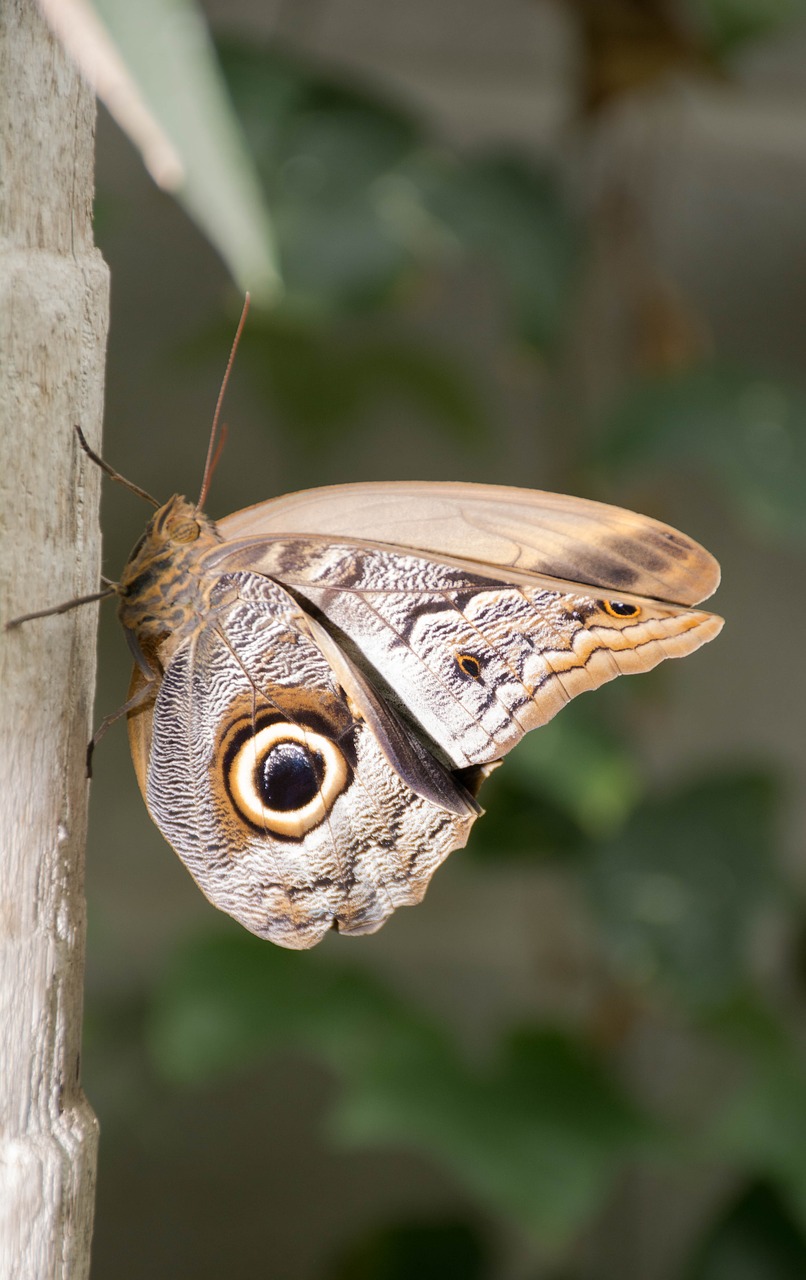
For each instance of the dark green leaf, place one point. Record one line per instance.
(757, 1239)
(359, 199)
(522, 822)
(428, 1250)
(268, 90)
(541, 1136)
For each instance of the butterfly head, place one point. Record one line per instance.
(176, 524)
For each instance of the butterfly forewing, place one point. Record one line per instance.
(522, 530)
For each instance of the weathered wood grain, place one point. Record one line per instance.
(53, 319)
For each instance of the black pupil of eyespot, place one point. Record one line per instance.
(289, 776)
(623, 610)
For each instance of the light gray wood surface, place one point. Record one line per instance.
(53, 320)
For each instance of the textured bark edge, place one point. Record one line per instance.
(53, 322)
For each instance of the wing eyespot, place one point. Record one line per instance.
(620, 608)
(469, 665)
(284, 778)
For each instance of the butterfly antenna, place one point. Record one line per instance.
(213, 450)
(111, 472)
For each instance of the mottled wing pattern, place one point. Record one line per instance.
(477, 660)
(268, 781)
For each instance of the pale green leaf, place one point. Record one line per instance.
(167, 50)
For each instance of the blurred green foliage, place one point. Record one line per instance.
(327, 379)
(677, 890)
(363, 201)
(578, 768)
(748, 432)
(676, 883)
(756, 1239)
(366, 210)
(762, 1123)
(429, 1251)
(730, 24)
(538, 1132)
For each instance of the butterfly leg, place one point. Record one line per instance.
(111, 472)
(64, 607)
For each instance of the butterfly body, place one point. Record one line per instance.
(325, 680)
(164, 590)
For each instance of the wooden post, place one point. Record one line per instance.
(53, 321)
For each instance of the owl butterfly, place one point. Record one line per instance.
(324, 680)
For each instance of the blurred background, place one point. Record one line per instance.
(545, 243)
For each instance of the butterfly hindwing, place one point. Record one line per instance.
(477, 661)
(268, 780)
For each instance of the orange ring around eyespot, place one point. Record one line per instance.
(616, 609)
(469, 660)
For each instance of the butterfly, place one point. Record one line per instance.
(323, 681)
